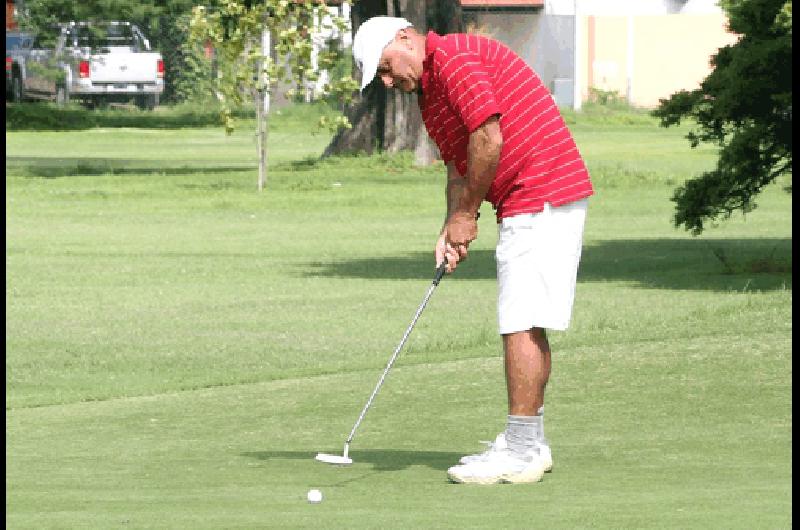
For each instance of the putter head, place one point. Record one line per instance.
(334, 459)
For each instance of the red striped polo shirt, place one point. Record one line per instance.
(468, 78)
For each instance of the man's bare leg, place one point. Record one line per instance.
(525, 456)
(527, 360)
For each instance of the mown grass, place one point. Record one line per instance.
(179, 346)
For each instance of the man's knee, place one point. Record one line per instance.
(529, 340)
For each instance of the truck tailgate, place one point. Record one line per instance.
(124, 67)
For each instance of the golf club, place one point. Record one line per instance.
(344, 459)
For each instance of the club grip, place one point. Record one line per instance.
(440, 272)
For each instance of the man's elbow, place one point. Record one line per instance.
(494, 135)
(496, 141)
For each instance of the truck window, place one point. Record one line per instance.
(105, 36)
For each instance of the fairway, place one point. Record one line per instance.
(179, 346)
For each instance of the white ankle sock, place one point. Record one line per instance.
(523, 433)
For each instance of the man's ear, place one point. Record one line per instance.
(403, 36)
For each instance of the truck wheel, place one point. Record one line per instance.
(62, 96)
(97, 102)
(16, 89)
(148, 102)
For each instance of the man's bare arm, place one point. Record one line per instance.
(464, 195)
(483, 154)
(484, 147)
(453, 190)
(452, 193)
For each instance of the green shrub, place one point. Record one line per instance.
(598, 114)
(48, 116)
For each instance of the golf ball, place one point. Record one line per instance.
(314, 496)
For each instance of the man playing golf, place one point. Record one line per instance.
(503, 140)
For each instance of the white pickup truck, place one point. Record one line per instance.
(96, 63)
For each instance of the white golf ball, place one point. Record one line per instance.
(314, 496)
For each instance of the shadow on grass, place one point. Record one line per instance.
(692, 264)
(379, 459)
(39, 167)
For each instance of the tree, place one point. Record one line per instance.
(745, 107)
(239, 31)
(249, 67)
(390, 120)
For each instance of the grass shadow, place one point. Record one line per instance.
(38, 167)
(308, 163)
(379, 459)
(693, 264)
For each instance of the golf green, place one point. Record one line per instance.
(179, 346)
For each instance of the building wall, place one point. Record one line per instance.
(672, 43)
(643, 50)
(606, 45)
(519, 31)
(631, 7)
(648, 57)
(554, 58)
(659, 70)
(544, 42)
(11, 22)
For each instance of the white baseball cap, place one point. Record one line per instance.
(370, 40)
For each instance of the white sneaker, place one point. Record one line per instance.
(503, 466)
(546, 457)
(500, 444)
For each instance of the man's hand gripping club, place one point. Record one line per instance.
(458, 232)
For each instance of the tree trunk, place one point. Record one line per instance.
(262, 96)
(390, 120)
(402, 111)
(367, 131)
(262, 155)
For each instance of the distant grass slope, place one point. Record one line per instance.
(43, 116)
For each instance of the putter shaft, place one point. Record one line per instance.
(439, 273)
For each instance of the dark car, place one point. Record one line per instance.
(18, 46)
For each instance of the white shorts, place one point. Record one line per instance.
(537, 265)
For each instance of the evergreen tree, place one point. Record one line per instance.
(745, 107)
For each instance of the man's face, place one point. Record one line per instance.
(400, 66)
